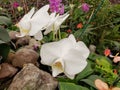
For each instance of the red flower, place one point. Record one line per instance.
(80, 25)
(107, 52)
(115, 71)
(69, 31)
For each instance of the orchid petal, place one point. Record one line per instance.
(75, 59)
(70, 76)
(59, 21)
(83, 48)
(55, 22)
(39, 20)
(72, 38)
(80, 46)
(50, 26)
(24, 28)
(38, 36)
(57, 67)
(51, 51)
(21, 35)
(28, 15)
(24, 24)
(49, 29)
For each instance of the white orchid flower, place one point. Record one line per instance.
(55, 22)
(66, 56)
(32, 23)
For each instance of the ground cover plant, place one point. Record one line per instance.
(76, 41)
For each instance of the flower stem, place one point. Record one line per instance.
(59, 33)
(53, 33)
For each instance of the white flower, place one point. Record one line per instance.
(66, 56)
(32, 23)
(55, 22)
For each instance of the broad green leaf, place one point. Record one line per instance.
(63, 79)
(4, 37)
(87, 71)
(5, 20)
(4, 50)
(90, 80)
(93, 57)
(70, 86)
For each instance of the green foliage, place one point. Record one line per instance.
(4, 50)
(4, 37)
(109, 38)
(104, 67)
(70, 86)
(90, 80)
(86, 72)
(5, 21)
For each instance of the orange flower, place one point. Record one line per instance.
(80, 25)
(107, 52)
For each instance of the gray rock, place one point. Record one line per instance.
(24, 56)
(22, 41)
(33, 44)
(7, 70)
(92, 48)
(32, 78)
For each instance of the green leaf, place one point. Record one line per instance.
(4, 37)
(91, 79)
(4, 50)
(70, 86)
(63, 35)
(5, 20)
(87, 71)
(64, 79)
(93, 56)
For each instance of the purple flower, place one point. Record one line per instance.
(15, 4)
(85, 7)
(52, 1)
(56, 6)
(61, 9)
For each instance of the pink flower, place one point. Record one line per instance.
(56, 6)
(15, 4)
(85, 7)
(101, 85)
(116, 59)
(61, 9)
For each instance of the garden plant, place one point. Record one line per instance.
(77, 42)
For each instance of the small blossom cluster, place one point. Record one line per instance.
(85, 7)
(15, 4)
(56, 6)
